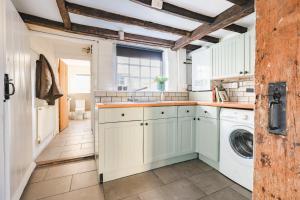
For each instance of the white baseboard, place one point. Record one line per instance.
(210, 162)
(112, 175)
(24, 182)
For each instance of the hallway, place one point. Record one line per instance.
(76, 141)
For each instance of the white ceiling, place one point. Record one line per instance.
(48, 9)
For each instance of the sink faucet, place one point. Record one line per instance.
(133, 99)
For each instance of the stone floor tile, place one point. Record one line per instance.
(243, 191)
(211, 181)
(84, 180)
(187, 169)
(225, 194)
(38, 175)
(47, 188)
(156, 194)
(167, 174)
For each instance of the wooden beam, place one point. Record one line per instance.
(98, 32)
(108, 16)
(64, 13)
(224, 19)
(238, 2)
(181, 12)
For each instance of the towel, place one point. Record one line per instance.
(46, 84)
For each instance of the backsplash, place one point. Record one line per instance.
(238, 89)
(112, 96)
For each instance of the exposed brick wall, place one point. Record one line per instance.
(237, 89)
(110, 96)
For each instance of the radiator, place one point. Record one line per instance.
(46, 122)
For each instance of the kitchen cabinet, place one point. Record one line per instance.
(186, 135)
(201, 69)
(250, 44)
(160, 139)
(228, 58)
(123, 145)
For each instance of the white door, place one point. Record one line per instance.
(186, 135)
(160, 139)
(202, 69)
(250, 43)
(2, 63)
(18, 110)
(208, 138)
(123, 146)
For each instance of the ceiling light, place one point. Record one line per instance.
(158, 4)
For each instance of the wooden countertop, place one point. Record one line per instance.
(249, 106)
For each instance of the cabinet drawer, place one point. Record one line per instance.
(160, 112)
(208, 111)
(120, 114)
(186, 111)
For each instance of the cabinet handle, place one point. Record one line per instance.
(205, 111)
(198, 119)
(122, 114)
(241, 72)
(142, 124)
(162, 113)
(146, 124)
(194, 118)
(187, 111)
(246, 72)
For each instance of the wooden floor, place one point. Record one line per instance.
(191, 180)
(74, 142)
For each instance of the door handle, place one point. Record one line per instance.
(7, 85)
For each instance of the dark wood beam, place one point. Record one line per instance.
(108, 16)
(181, 12)
(238, 2)
(98, 32)
(64, 13)
(224, 19)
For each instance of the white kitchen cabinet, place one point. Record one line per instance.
(250, 44)
(228, 58)
(186, 135)
(123, 146)
(201, 69)
(160, 139)
(208, 137)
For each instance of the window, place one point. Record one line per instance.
(80, 83)
(138, 67)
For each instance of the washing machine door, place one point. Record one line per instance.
(241, 141)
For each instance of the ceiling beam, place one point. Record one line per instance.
(64, 13)
(112, 17)
(238, 2)
(181, 12)
(99, 32)
(224, 19)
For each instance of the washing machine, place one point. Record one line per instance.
(236, 145)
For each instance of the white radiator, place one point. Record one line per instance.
(46, 122)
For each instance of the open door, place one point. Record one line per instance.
(63, 101)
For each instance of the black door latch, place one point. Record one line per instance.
(7, 84)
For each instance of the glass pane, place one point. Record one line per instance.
(153, 86)
(134, 71)
(145, 62)
(155, 71)
(241, 142)
(122, 69)
(155, 63)
(122, 59)
(145, 72)
(134, 83)
(145, 82)
(134, 61)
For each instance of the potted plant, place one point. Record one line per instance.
(161, 85)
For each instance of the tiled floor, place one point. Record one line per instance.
(191, 180)
(75, 141)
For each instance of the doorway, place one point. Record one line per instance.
(75, 139)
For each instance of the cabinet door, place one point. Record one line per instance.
(207, 133)
(250, 42)
(160, 139)
(202, 70)
(186, 135)
(123, 145)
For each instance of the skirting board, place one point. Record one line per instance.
(210, 162)
(24, 182)
(108, 176)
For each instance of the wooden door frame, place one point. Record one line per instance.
(60, 61)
